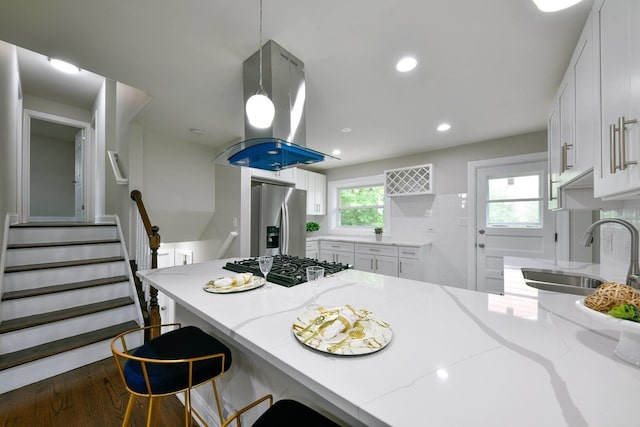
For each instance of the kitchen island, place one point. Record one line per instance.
(457, 357)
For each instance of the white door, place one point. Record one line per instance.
(511, 219)
(78, 178)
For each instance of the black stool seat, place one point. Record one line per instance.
(290, 413)
(184, 343)
(283, 413)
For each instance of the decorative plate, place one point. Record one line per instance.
(628, 347)
(256, 282)
(367, 335)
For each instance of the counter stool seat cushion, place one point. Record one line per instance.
(184, 343)
(290, 413)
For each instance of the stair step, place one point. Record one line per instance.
(59, 346)
(32, 267)
(55, 316)
(62, 224)
(56, 244)
(26, 293)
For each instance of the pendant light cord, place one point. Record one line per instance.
(261, 45)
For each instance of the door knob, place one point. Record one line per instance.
(481, 231)
(481, 245)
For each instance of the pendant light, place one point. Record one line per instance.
(259, 108)
(554, 5)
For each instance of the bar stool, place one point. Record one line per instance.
(284, 413)
(174, 362)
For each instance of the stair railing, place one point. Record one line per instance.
(147, 244)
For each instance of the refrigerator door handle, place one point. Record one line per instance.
(284, 231)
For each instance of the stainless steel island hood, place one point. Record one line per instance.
(283, 144)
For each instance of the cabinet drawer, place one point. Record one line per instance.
(377, 249)
(312, 246)
(336, 246)
(408, 252)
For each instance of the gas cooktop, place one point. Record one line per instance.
(286, 270)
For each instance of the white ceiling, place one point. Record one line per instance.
(490, 68)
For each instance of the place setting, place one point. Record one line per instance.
(241, 282)
(341, 330)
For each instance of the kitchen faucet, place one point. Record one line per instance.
(633, 275)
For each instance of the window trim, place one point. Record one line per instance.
(333, 201)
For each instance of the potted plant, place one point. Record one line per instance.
(312, 226)
(378, 231)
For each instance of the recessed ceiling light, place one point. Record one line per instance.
(336, 152)
(346, 130)
(443, 127)
(554, 5)
(407, 63)
(63, 66)
(196, 131)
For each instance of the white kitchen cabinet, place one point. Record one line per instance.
(285, 176)
(382, 259)
(333, 251)
(316, 186)
(380, 264)
(312, 249)
(571, 127)
(410, 263)
(617, 169)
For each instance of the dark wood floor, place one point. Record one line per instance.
(89, 396)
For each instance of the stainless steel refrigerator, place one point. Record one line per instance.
(278, 220)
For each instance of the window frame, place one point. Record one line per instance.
(540, 199)
(334, 188)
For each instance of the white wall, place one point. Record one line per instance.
(441, 217)
(9, 133)
(52, 171)
(179, 186)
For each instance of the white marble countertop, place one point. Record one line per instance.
(368, 240)
(457, 357)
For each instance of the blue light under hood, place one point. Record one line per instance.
(270, 154)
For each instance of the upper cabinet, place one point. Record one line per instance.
(285, 176)
(617, 169)
(571, 126)
(316, 186)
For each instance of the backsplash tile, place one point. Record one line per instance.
(441, 219)
(615, 240)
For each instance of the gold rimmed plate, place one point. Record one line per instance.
(367, 335)
(255, 283)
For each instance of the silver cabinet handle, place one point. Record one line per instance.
(612, 148)
(565, 157)
(400, 267)
(481, 245)
(374, 250)
(551, 182)
(376, 264)
(623, 146)
(371, 264)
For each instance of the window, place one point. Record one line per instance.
(361, 207)
(357, 206)
(514, 201)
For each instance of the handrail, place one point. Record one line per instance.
(225, 245)
(154, 244)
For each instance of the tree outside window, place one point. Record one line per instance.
(361, 206)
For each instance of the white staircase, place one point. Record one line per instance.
(67, 290)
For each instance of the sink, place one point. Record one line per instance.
(561, 282)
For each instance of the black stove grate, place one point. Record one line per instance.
(286, 270)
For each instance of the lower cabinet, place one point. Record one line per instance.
(410, 265)
(381, 264)
(312, 250)
(341, 252)
(388, 259)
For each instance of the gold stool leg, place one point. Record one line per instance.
(215, 392)
(127, 414)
